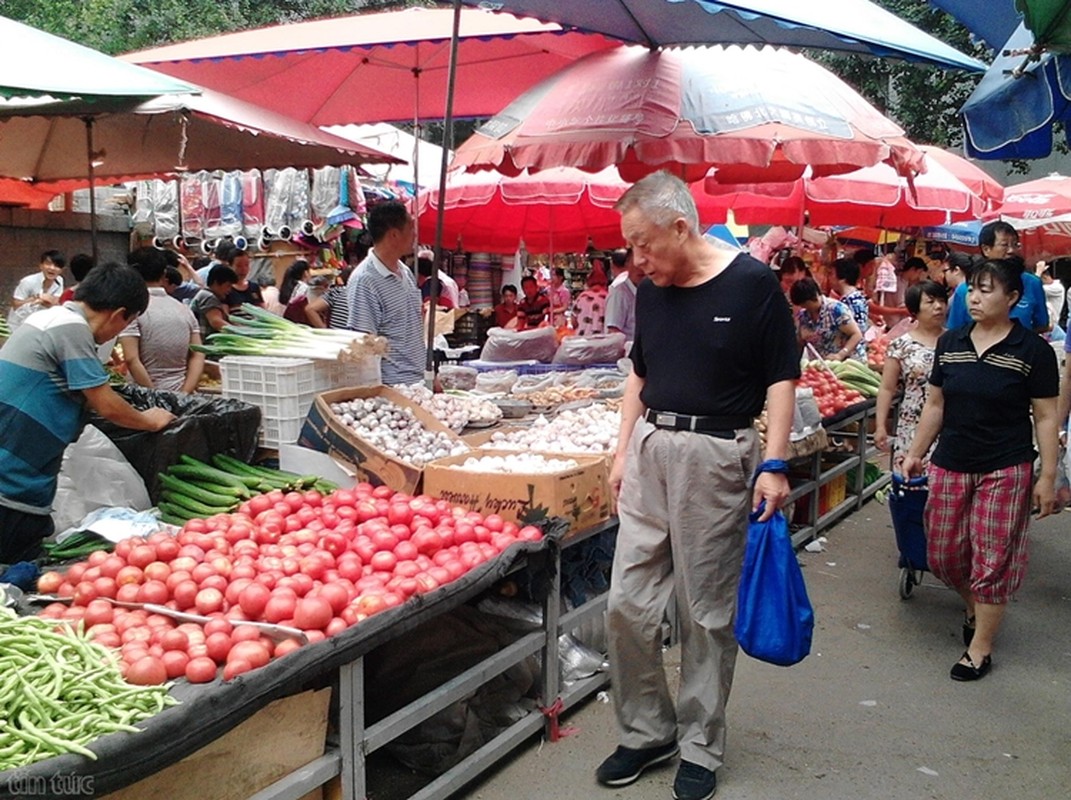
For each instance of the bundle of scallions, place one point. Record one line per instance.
(255, 332)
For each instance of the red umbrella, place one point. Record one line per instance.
(756, 114)
(872, 196)
(554, 210)
(984, 185)
(383, 67)
(1041, 211)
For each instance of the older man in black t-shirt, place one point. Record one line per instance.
(714, 341)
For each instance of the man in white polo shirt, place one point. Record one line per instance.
(384, 298)
(621, 301)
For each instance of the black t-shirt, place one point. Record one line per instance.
(713, 349)
(250, 294)
(987, 424)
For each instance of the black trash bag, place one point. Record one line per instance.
(205, 426)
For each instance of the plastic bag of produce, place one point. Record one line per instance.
(455, 377)
(604, 349)
(526, 384)
(95, 474)
(497, 380)
(205, 426)
(539, 344)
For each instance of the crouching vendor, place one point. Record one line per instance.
(49, 374)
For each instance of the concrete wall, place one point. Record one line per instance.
(24, 235)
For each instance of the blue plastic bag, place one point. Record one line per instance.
(774, 618)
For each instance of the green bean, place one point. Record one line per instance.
(60, 692)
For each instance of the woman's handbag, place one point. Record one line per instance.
(774, 618)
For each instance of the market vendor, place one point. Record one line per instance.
(714, 342)
(49, 373)
(383, 296)
(533, 306)
(826, 324)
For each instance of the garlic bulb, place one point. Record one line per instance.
(395, 431)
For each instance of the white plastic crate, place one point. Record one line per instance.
(343, 374)
(275, 432)
(284, 388)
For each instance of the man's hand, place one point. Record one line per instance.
(912, 466)
(772, 487)
(617, 473)
(158, 418)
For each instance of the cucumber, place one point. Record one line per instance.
(212, 475)
(170, 512)
(279, 478)
(197, 491)
(222, 475)
(195, 506)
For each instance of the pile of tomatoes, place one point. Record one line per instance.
(302, 559)
(830, 394)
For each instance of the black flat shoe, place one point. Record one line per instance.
(968, 630)
(970, 671)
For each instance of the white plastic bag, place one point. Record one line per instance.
(95, 474)
(539, 344)
(603, 349)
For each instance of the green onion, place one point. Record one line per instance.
(256, 332)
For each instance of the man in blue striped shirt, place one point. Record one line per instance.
(49, 373)
(383, 296)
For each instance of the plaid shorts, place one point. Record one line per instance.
(976, 529)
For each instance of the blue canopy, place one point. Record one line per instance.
(962, 233)
(849, 26)
(992, 21)
(1011, 117)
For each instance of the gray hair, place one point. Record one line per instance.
(662, 198)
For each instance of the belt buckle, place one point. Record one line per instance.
(665, 420)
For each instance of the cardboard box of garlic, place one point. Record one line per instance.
(580, 493)
(591, 429)
(388, 438)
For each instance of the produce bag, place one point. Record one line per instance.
(205, 426)
(583, 350)
(95, 474)
(774, 618)
(497, 380)
(539, 344)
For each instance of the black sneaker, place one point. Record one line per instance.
(625, 764)
(694, 782)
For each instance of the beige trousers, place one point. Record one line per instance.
(683, 511)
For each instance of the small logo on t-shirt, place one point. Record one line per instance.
(723, 319)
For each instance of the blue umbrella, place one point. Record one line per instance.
(849, 26)
(1011, 111)
(961, 233)
(992, 21)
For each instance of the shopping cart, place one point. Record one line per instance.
(907, 499)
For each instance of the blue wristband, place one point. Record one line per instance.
(777, 465)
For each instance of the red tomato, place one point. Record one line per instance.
(146, 671)
(337, 596)
(253, 598)
(253, 652)
(280, 606)
(313, 613)
(201, 669)
(383, 561)
(218, 646)
(208, 600)
(141, 556)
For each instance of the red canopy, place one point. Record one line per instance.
(382, 67)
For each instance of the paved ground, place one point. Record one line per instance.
(871, 714)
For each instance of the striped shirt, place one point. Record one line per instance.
(43, 368)
(388, 304)
(987, 398)
(164, 331)
(338, 305)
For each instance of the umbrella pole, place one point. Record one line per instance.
(448, 137)
(92, 189)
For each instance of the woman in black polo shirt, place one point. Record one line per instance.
(991, 375)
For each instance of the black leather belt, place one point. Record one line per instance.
(718, 427)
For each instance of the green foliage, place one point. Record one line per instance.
(923, 100)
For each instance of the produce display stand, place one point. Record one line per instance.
(850, 424)
(208, 712)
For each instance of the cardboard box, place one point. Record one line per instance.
(325, 432)
(580, 494)
(276, 741)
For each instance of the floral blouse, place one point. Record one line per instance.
(860, 308)
(590, 311)
(823, 333)
(916, 364)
